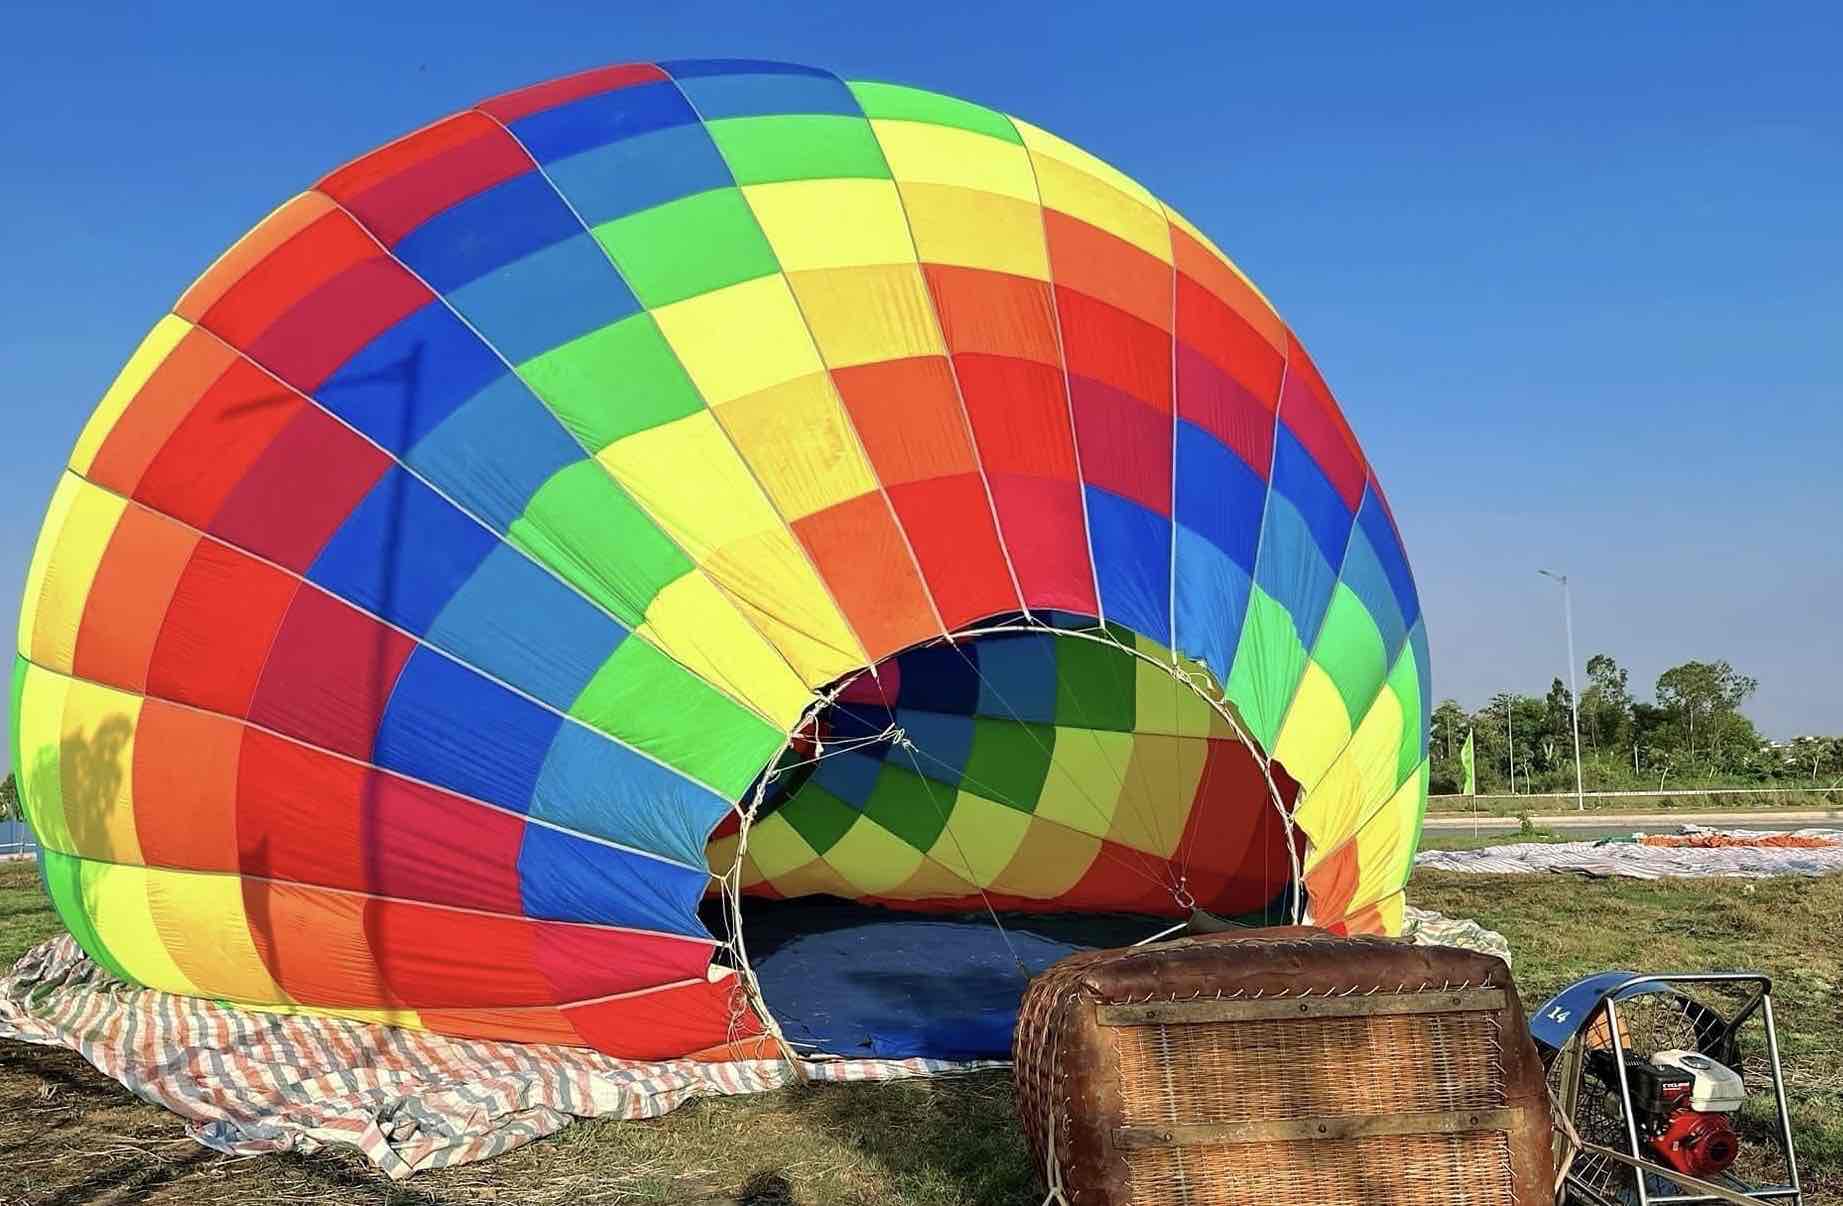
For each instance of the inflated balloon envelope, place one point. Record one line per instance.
(506, 518)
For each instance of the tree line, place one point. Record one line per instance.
(1692, 734)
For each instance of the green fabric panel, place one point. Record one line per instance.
(763, 150)
(64, 880)
(584, 526)
(1350, 649)
(1405, 681)
(1095, 686)
(1269, 661)
(909, 806)
(818, 816)
(613, 382)
(897, 103)
(690, 246)
(652, 703)
(1009, 761)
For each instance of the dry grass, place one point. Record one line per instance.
(68, 1135)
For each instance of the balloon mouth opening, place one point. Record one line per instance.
(953, 820)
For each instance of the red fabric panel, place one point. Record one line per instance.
(1205, 269)
(1229, 342)
(510, 106)
(1046, 534)
(1104, 266)
(862, 557)
(329, 674)
(299, 813)
(434, 956)
(949, 523)
(215, 445)
(1020, 415)
(297, 493)
(399, 186)
(189, 370)
(296, 215)
(1222, 406)
(663, 1024)
(1111, 345)
(420, 843)
(317, 253)
(128, 598)
(1125, 444)
(995, 313)
(185, 788)
(224, 616)
(585, 961)
(1307, 408)
(908, 414)
(315, 944)
(327, 326)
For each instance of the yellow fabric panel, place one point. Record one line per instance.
(1184, 224)
(740, 339)
(1049, 861)
(76, 549)
(1359, 781)
(96, 771)
(202, 924)
(817, 877)
(1085, 766)
(801, 446)
(1385, 845)
(869, 314)
(932, 881)
(1315, 729)
(700, 628)
(115, 898)
(62, 497)
(1162, 704)
(155, 348)
(721, 854)
(777, 847)
(931, 154)
(1080, 195)
(973, 228)
(875, 861)
(1155, 800)
(832, 223)
(689, 477)
(41, 733)
(1043, 144)
(980, 838)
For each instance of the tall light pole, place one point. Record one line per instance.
(1574, 695)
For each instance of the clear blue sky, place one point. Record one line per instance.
(1577, 277)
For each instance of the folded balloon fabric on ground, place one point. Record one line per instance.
(503, 518)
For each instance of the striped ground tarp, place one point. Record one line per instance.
(1637, 860)
(248, 1082)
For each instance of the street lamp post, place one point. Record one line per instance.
(1574, 695)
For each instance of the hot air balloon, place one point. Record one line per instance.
(542, 558)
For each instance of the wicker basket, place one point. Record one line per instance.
(1283, 1066)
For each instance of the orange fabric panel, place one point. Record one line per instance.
(315, 945)
(128, 598)
(908, 414)
(1202, 265)
(156, 411)
(995, 313)
(867, 565)
(1090, 260)
(185, 787)
(536, 1024)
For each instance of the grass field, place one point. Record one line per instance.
(68, 1135)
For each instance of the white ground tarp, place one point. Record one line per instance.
(1634, 860)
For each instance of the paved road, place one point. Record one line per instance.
(1607, 824)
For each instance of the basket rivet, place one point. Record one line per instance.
(1321, 1128)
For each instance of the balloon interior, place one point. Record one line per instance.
(693, 555)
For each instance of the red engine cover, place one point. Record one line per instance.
(1699, 1144)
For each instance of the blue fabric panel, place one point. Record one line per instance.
(1365, 577)
(689, 69)
(547, 299)
(1292, 570)
(1297, 475)
(850, 776)
(638, 173)
(1212, 600)
(603, 118)
(1218, 496)
(449, 726)
(492, 454)
(939, 678)
(567, 878)
(596, 785)
(402, 553)
(521, 625)
(504, 223)
(1020, 677)
(947, 741)
(1375, 524)
(756, 94)
(851, 721)
(1132, 563)
(409, 379)
(1417, 638)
